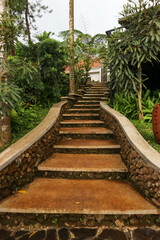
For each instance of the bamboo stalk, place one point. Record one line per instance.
(140, 93)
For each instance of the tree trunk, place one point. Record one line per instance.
(5, 126)
(140, 93)
(27, 22)
(71, 30)
(11, 40)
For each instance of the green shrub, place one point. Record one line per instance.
(26, 117)
(128, 105)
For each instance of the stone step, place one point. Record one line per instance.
(97, 92)
(86, 132)
(95, 98)
(81, 116)
(88, 102)
(87, 146)
(83, 163)
(94, 95)
(83, 110)
(66, 196)
(82, 123)
(98, 89)
(84, 106)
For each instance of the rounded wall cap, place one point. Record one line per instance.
(149, 154)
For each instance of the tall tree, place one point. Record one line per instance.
(27, 21)
(71, 44)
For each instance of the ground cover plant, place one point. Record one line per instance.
(145, 129)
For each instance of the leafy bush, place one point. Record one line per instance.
(128, 105)
(25, 117)
(9, 96)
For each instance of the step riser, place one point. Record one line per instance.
(83, 175)
(94, 98)
(95, 95)
(86, 151)
(84, 111)
(88, 106)
(74, 221)
(87, 136)
(87, 103)
(81, 117)
(82, 125)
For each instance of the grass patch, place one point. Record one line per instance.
(145, 129)
(24, 123)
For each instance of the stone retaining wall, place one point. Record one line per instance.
(19, 162)
(142, 161)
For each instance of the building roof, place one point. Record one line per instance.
(95, 64)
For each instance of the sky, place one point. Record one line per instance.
(91, 16)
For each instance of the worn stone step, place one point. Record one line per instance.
(66, 196)
(84, 106)
(97, 92)
(88, 102)
(84, 163)
(83, 110)
(82, 123)
(87, 146)
(86, 132)
(94, 95)
(95, 98)
(82, 116)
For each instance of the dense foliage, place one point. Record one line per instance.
(128, 105)
(129, 48)
(37, 68)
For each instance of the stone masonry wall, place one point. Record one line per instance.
(142, 177)
(24, 168)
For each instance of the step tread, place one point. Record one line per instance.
(75, 121)
(85, 130)
(87, 143)
(94, 97)
(84, 109)
(85, 101)
(80, 114)
(84, 163)
(65, 196)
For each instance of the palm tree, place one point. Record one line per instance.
(71, 31)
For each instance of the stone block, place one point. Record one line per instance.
(64, 234)
(84, 233)
(146, 234)
(51, 234)
(111, 234)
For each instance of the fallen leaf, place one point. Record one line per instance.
(22, 191)
(32, 234)
(77, 202)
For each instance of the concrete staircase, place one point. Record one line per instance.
(85, 174)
